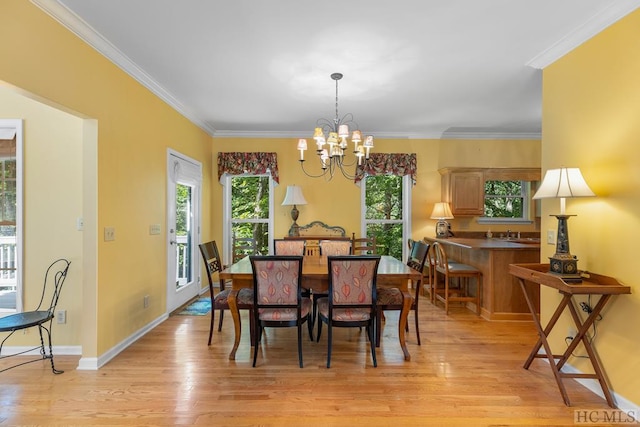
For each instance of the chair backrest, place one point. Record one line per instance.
(335, 247)
(363, 245)
(212, 261)
(418, 255)
(288, 247)
(441, 262)
(276, 281)
(53, 280)
(242, 247)
(352, 280)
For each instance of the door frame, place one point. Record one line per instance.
(182, 168)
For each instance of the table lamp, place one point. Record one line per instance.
(294, 197)
(562, 183)
(442, 212)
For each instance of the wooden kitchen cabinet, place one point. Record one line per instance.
(464, 190)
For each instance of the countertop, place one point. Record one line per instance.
(490, 244)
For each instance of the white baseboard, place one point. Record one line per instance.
(93, 363)
(594, 386)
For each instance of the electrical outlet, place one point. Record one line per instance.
(61, 316)
(154, 229)
(145, 301)
(109, 234)
(551, 237)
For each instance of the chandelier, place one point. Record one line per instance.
(334, 134)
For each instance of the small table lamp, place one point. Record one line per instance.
(441, 212)
(294, 197)
(562, 183)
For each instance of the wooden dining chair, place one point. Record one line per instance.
(335, 247)
(461, 291)
(363, 245)
(351, 301)
(219, 299)
(277, 297)
(243, 247)
(392, 298)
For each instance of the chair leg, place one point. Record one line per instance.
(319, 329)
(255, 347)
(310, 326)
(213, 318)
(221, 319)
(372, 342)
(417, 327)
(329, 339)
(300, 342)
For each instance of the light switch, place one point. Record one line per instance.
(551, 237)
(109, 234)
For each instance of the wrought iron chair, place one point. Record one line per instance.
(219, 300)
(41, 317)
(277, 297)
(392, 298)
(352, 297)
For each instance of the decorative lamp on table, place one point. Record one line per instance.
(563, 183)
(294, 197)
(442, 212)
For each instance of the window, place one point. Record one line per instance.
(386, 201)
(506, 201)
(248, 211)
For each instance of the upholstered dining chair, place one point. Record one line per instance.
(219, 300)
(335, 247)
(392, 298)
(363, 245)
(352, 298)
(277, 297)
(288, 247)
(455, 270)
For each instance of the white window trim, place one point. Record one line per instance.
(526, 209)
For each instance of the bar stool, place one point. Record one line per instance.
(452, 270)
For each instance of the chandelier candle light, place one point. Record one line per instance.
(562, 183)
(333, 157)
(294, 197)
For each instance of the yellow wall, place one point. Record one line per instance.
(52, 183)
(337, 202)
(134, 130)
(591, 110)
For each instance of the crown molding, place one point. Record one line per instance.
(85, 32)
(584, 32)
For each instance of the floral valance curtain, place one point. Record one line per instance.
(251, 163)
(388, 164)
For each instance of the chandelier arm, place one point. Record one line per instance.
(323, 173)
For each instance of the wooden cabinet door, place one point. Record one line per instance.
(466, 193)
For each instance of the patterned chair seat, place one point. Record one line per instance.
(343, 314)
(284, 314)
(389, 296)
(244, 298)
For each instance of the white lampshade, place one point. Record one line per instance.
(294, 196)
(562, 183)
(441, 210)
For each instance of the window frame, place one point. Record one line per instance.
(407, 185)
(227, 220)
(526, 205)
(530, 176)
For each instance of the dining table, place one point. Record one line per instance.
(392, 273)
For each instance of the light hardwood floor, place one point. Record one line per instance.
(467, 372)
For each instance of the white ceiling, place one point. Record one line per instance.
(412, 68)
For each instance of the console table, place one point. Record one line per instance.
(592, 284)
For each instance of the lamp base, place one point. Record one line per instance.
(562, 263)
(442, 229)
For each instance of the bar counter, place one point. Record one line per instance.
(502, 299)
